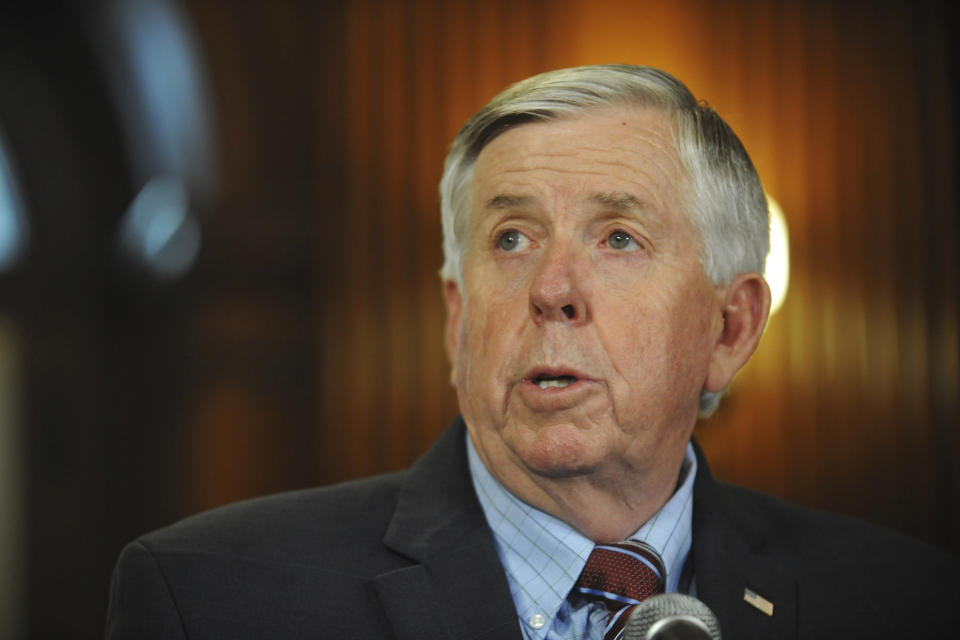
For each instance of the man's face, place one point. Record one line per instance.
(582, 337)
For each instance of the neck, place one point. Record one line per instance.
(605, 505)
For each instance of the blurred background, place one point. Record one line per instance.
(219, 238)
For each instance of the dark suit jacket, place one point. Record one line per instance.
(410, 556)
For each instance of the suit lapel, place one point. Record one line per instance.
(732, 558)
(456, 587)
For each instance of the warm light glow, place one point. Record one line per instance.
(777, 270)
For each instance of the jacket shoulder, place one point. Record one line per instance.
(844, 563)
(318, 523)
(271, 566)
(812, 532)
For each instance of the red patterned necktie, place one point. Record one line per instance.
(620, 575)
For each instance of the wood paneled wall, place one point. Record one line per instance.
(414, 72)
(335, 119)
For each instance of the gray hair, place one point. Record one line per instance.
(724, 197)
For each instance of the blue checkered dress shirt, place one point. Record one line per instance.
(543, 556)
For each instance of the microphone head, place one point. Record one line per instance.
(671, 616)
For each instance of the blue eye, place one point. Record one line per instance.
(620, 240)
(511, 240)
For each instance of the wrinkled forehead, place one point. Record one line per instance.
(616, 150)
(479, 140)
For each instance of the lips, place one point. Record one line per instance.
(559, 388)
(545, 382)
(553, 378)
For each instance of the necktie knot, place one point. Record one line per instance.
(620, 575)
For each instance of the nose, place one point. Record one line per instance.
(556, 292)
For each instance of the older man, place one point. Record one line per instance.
(604, 238)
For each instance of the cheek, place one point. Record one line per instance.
(660, 345)
(486, 353)
(488, 341)
(494, 307)
(689, 350)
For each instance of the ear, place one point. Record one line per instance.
(746, 304)
(454, 303)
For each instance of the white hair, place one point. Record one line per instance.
(723, 196)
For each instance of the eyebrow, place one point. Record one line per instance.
(616, 201)
(619, 200)
(508, 201)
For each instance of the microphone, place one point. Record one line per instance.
(671, 616)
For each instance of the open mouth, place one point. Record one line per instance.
(546, 382)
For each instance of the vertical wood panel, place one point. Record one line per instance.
(412, 66)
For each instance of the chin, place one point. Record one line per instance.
(556, 450)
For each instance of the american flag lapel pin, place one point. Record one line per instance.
(757, 601)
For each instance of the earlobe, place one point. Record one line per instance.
(454, 303)
(746, 305)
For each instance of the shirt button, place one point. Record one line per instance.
(537, 621)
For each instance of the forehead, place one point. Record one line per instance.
(626, 150)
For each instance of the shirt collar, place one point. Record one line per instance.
(543, 556)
